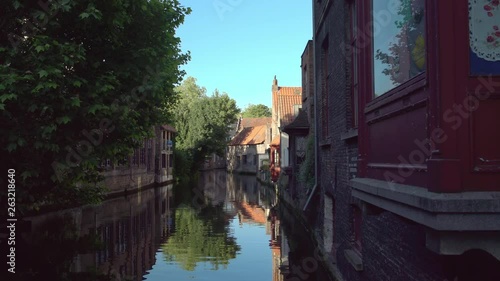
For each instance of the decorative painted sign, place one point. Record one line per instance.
(484, 37)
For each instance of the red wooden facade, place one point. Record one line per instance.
(440, 129)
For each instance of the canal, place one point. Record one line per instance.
(224, 227)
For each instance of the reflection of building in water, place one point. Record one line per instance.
(250, 198)
(129, 230)
(279, 247)
(256, 204)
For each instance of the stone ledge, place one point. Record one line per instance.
(351, 134)
(467, 211)
(354, 259)
(475, 202)
(459, 242)
(456, 222)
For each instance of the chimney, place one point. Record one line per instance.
(275, 84)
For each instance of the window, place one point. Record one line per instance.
(170, 161)
(324, 88)
(163, 160)
(135, 160)
(244, 159)
(354, 63)
(143, 156)
(398, 42)
(296, 108)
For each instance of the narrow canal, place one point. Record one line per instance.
(225, 227)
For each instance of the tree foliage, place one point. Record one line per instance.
(256, 110)
(202, 121)
(82, 81)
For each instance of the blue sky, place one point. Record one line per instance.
(237, 46)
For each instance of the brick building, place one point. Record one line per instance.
(247, 151)
(150, 164)
(407, 124)
(286, 104)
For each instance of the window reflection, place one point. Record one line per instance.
(399, 42)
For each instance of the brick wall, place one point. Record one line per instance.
(390, 247)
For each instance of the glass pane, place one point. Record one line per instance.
(398, 42)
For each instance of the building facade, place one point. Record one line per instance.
(247, 151)
(287, 101)
(150, 164)
(407, 110)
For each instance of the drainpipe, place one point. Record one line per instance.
(316, 137)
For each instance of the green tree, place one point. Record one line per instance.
(202, 121)
(80, 82)
(256, 110)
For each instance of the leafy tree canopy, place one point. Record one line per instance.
(256, 110)
(82, 81)
(202, 121)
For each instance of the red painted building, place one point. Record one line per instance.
(429, 118)
(407, 96)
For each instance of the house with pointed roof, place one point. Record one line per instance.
(286, 104)
(247, 150)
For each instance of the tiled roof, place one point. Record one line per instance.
(276, 140)
(253, 122)
(286, 108)
(250, 135)
(285, 91)
(169, 128)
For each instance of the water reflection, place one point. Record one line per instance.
(221, 230)
(225, 227)
(113, 241)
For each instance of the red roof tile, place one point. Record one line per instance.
(276, 140)
(250, 135)
(286, 105)
(253, 122)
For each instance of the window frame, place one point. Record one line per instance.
(411, 85)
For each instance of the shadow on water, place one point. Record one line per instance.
(115, 240)
(219, 227)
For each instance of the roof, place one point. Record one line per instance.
(276, 140)
(300, 122)
(286, 108)
(168, 128)
(250, 135)
(253, 122)
(285, 91)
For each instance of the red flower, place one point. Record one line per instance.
(487, 7)
(490, 14)
(490, 39)
(495, 27)
(495, 2)
(497, 34)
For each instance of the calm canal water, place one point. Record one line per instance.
(225, 227)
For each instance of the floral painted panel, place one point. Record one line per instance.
(484, 36)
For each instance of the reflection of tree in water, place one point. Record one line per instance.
(406, 56)
(200, 237)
